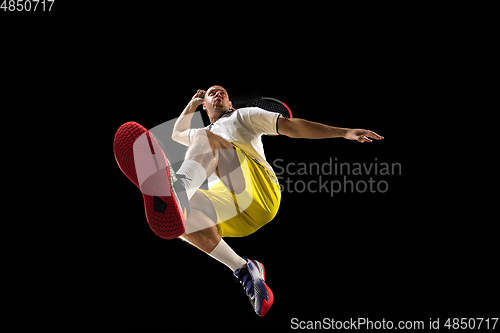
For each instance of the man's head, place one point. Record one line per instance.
(216, 100)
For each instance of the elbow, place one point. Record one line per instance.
(179, 137)
(175, 136)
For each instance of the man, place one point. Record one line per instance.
(247, 194)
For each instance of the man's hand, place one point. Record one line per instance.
(197, 100)
(362, 135)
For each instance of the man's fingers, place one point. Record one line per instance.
(363, 139)
(374, 135)
(362, 135)
(199, 93)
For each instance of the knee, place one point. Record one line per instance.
(200, 135)
(215, 141)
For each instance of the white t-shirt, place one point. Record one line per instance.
(244, 127)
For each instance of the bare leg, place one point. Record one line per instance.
(213, 153)
(208, 239)
(217, 154)
(203, 217)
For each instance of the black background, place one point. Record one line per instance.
(399, 255)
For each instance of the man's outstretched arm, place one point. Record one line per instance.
(301, 128)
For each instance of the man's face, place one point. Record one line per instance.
(216, 99)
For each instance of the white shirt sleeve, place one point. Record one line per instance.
(261, 121)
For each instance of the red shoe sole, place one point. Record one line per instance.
(142, 160)
(266, 305)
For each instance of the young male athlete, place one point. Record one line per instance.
(247, 194)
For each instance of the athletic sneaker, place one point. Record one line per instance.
(142, 159)
(252, 278)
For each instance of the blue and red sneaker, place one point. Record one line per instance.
(252, 277)
(141, 158)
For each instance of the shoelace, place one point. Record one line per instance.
(180, 192)
(182, 176)
(246, 280)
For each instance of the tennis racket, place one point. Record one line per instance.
(272, 105)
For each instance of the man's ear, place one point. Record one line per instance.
(230, 104)
(204, 106)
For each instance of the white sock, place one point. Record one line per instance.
(195, 176)
(227, 256)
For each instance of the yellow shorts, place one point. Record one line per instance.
(242, 214)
